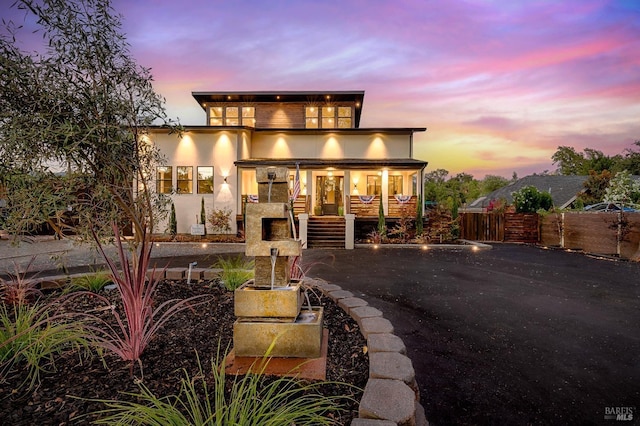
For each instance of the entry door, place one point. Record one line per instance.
(329, 192)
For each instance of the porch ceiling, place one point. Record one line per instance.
(338, 163)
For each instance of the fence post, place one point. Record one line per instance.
(561, 225)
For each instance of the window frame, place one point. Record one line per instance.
(392, 183)
(189, 180)
(377, 185)
(161, 182)
(199, 181)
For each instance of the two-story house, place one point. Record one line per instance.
(343, 168)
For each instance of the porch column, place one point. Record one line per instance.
(303, 221)
(385, 191)
(310, 189)
(349, 231)
(346, 190)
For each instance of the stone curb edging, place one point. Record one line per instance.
(391, 396)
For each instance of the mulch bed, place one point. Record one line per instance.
(62, 396)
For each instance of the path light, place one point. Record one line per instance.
(475, 248)
(425, 247)
(375, 246)
(204, 245)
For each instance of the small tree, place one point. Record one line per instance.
(73, 119)
(382, 228)
(203, 216)
(622, 189)
(173, 223)
(529, 200)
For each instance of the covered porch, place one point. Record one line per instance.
(337, 187)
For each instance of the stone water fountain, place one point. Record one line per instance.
(271, 320)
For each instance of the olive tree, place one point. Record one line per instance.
(73, 116)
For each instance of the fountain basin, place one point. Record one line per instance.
(255, 302)
(301, 338)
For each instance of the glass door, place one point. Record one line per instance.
(329, 194)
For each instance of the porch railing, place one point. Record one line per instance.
(362, 207)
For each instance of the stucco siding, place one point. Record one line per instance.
(370, 146)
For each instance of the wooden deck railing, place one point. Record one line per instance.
(396, 208)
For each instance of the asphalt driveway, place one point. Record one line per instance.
(512, 335)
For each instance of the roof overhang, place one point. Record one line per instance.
(308, 97)
(351, 131)
(338, 163)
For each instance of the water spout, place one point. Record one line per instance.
(191, 265)
(274, 257)
(271, 175)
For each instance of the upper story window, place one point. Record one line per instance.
(311, 117)
(328, 117)
(232, 116)
(216, 116)
(344, 117)
(249, 116)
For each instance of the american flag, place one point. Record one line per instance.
(296, 184)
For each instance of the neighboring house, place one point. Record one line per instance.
(563, 189)
(340, 162)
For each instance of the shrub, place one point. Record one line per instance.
(32, 337)
(173, 223)
(255, 399)
(529, 200)
(402, 229)
(92, 283)
(235, 271)
(19, 289)
(219, 220)
(142, 319)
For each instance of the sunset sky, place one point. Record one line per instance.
(498, 84)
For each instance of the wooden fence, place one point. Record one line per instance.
(506, 227)
(605, 233)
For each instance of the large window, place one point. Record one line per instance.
(185, 179)
(205, 180)
(395, 185)
(344, 117)
(216, 116)
(328, 117)
(249, 116)
(374, 185)
(164, 178)
(311, 117)
(232, 116)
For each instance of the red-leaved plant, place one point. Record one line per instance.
(19, 289)
(142, 319)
